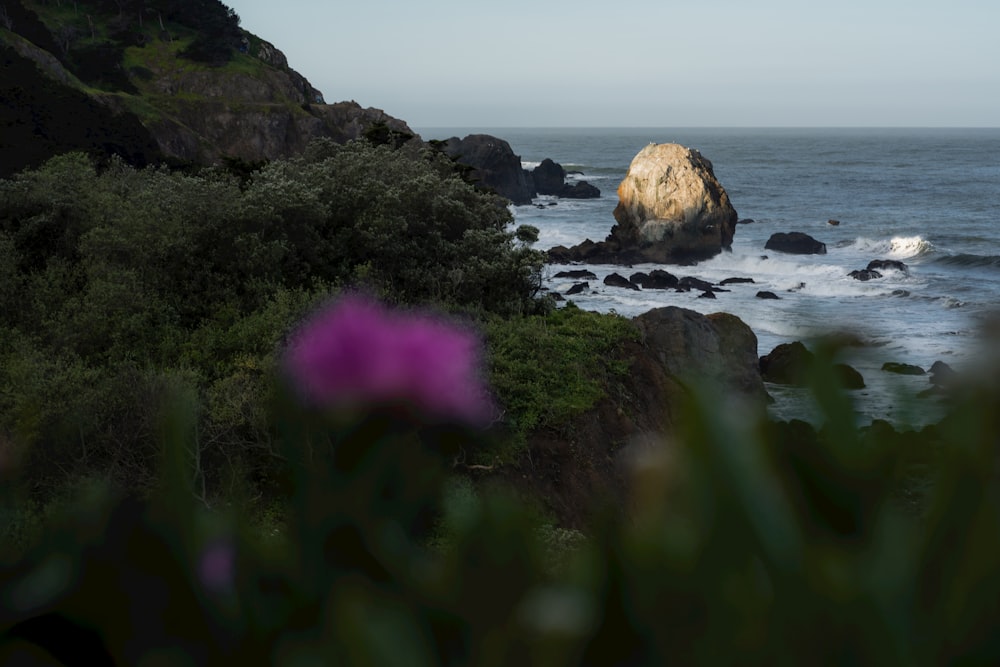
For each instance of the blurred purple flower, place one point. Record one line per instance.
(358, 352)
(217, 566)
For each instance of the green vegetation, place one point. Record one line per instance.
(552, 368)
(121, 285)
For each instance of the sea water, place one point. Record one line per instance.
(929, 198)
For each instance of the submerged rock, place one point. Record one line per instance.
(883, 264)
(902, 369)
(577, 273)
(865, 275)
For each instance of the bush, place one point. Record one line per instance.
(118, 278)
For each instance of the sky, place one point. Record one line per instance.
(647, 63)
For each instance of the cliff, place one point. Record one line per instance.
(153, 81)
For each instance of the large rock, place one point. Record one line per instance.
(793, 364)
(718, 350)
(795, 243)
(549, 177)
(671, 209)
(496, 166)
(670, 205)
(579, 190)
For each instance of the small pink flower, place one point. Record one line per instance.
(217, 566)
(357, 352)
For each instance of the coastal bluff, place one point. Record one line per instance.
(671, 210)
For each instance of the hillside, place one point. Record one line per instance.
(155, 80)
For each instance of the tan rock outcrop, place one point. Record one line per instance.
(671, 210)
(671, 207)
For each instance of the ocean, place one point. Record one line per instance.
(927, 197)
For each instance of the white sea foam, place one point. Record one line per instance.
(898, 247)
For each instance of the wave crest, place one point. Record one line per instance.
(898, 247)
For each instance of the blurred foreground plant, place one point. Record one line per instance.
(750, 543)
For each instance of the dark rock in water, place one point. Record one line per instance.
(864, 274)
(790, 363)
(786, 364)
(585, 251)
(883, 264)
(736, 281)
(833, 222)
(494, 164)
(655, 279)
(942, 374)
(577, 288)
(795, 243)
(767, 295)
(549, 177)
(556, 296)
(617, 280)
(690, 282)
(849, 377)
(707, 295)
(577, 273)
(580, 190)
(900, 292)
(902, 369)
(745, 221)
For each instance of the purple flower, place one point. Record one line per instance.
(217, 566)
(357, 352)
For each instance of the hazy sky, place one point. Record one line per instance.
(464, 63)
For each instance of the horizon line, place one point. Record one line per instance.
(715, 127)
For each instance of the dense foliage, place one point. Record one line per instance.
(736, 547)
(120, 284)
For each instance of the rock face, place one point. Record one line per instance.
(495, 164)
(671, 209)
